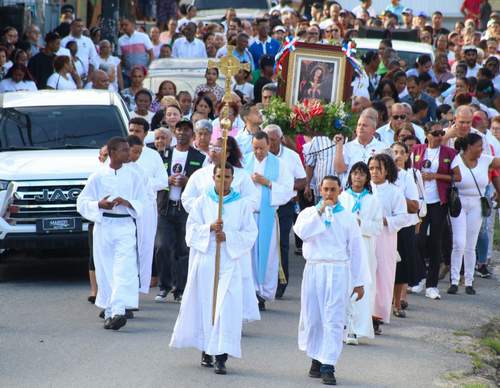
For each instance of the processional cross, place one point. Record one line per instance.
(228, 66)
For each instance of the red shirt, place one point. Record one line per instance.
(471, 6)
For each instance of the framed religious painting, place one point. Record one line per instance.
(316, 71)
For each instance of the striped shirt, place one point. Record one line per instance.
(320, 156)
(134, 49)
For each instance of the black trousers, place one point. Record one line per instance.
(91, 247)
(431, 240)
(171, 251)
(407, 251)
(286, 217)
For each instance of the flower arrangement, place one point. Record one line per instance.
(310, 117)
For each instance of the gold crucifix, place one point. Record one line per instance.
(229, 66)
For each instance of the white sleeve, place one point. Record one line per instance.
(87, 201)
(282, 188)
(191, 191)
(147, 43)
(358, 275)
(160, 180)
(372, 224)
(197, 230)
(309, 224)
(397, 219)
(241, 241)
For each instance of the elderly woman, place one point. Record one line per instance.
(202, 135)
(162, 140)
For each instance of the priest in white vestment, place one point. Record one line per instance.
(113, 199)
(201, 181)
(237, 234)
(333, 272)
(274, 185)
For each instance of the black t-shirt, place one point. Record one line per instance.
(41, 67)
(257, 89)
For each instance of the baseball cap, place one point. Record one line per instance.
(408, 11)
(422, 14)
(279, 28)
(183, 122)
(469, 47)
(490, 23)
(344, 12)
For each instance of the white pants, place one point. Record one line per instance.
(115, 259)
(465, 229)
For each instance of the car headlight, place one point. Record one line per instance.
(4, 185)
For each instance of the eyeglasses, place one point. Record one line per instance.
(437, 133)
(333, 30)
(399, 117)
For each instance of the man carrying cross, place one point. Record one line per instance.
(236, 233)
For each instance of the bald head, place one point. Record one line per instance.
(359, 104)
(463, 120)
(100, 80)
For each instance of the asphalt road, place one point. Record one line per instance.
(50, 336)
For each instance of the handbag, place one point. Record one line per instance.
(454, 203)
(485, 201)
(422, 211)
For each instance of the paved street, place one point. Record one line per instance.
(50, 336)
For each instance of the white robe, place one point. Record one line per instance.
(197, 185)
(371, 224)
(394, 210)
(114, 239)
(193, 327)
(281, 193)
(333, 268)
(156, 179)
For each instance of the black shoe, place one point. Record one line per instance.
(262, 303)
(280, 291)
(314, 371)
(118, 321)
(91, 299)
(469, 290)
(220, 367)
(107, 323)
(207, 360)
(376, 327)
(453, 289)
(102, 314)
(129, 314)
(328, 378)
(483, 272)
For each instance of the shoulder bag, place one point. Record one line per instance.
(422, 211)
(485, 201)
(454, 203)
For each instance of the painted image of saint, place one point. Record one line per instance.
(316, 81)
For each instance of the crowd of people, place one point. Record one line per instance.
(415, 184)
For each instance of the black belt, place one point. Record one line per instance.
(175, 203)
(114, 215)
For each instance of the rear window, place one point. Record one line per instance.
(49, 127)
(409, 57)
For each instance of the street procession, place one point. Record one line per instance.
(288, 192)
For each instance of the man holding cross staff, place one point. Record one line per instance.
(220, 231)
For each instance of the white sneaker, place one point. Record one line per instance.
(351, 339)
(419, 287)
(432, 293)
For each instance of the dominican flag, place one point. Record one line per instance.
(288, 46)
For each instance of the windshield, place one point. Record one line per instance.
(49, 127)
(222, 4)
(409, 57)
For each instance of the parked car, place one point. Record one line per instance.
(49, 145)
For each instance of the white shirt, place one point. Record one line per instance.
(178, 167)
(321, 156)
(355, 152)
(387, 134)
(86, 50)
(151, 163)
(467, 187)
(406, 183)
(244, 140)
(184, 49)
(358, 11)
(246, 89)
(291, 160)
(8, 85)
(107, 64)
(473, 72)
(431, 189)
(148, 117)
(58, 82)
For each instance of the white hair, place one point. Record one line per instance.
(273, 128)
(203, 124)
(165, 131)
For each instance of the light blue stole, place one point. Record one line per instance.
(267, 212)
(329, 212)
(231, 197)
(357, 198)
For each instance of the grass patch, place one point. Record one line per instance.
(492, 343)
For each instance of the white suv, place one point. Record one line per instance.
(49, 145)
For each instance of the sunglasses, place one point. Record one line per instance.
(437, 133)
(399, 117)
(333, 30)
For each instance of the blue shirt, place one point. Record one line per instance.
(258, 49)
(431, 113)
(396, 10)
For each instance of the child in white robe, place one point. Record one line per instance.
(358, 199)
(236, 233)
(384, 173)
(333, 272)
(112, 198)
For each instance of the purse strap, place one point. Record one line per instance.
(473, 177)
(420, 191)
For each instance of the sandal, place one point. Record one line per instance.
(399, 313)
(91, 299)
(404, 305)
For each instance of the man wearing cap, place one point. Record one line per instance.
(266, 76)
(407, 16)
(397, 9)
(470, 56)
(171, 251)
(279, 33)
(263, 44)
(365, 6)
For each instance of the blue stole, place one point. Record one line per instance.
(231, 197)
(329, 212)
(267, 212)
(357, 197)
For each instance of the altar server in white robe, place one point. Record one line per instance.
(333, 272)
(274, 185)
(237, 234)
(384, 173)
(198, 184)
(112, 198)
(156, 180)
(358, 199)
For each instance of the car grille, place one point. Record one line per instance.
(32, 201)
